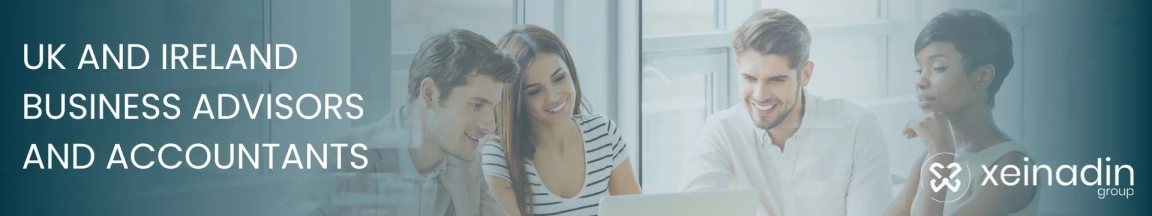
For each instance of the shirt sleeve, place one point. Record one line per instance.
(489, 206)
(706, 163)
(619, 147)
(870, 186)
(493, 161)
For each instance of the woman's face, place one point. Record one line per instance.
(548, 91)
(944, 85)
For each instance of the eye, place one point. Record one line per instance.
(533, 92)
(939, 69)
(919, 71)
(749, 78)
(476, 106)
(559, 78)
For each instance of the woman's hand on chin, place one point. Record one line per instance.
(933, 130)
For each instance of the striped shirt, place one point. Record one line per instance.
(604, 150)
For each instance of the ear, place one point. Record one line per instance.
(806, 73)
(429, 93)
(984, 76)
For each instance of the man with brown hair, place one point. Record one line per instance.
(807, 155)
(430, 144)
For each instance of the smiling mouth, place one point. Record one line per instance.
(559, 107)
(763, 107)
(474, 137)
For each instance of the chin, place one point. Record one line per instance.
(561, 117)
(467, 157)
(552, 118)
(765, 124)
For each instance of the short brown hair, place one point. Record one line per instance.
(980, 38)
(450, 57)
(774, 31)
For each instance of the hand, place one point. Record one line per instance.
(933, 130)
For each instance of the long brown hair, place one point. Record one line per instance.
(524, 43)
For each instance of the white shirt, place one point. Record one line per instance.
(835, 164)
(431, 198)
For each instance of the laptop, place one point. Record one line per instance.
(724, 202)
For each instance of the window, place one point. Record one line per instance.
(820, 12)
(685, 60)
(860, 48)
(674, 103)
(414, 20)
(661, 17)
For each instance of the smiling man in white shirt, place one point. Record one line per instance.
(806, 155)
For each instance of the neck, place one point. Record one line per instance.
(551, 136)
(973, 128)
(787, 128)
(428, 154)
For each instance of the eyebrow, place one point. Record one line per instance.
(772, 77)
(482, 100)
(558, 69)
(937, 56)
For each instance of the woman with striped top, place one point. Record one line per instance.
(552, 158)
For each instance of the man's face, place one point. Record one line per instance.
(769, 87)
(465, 116)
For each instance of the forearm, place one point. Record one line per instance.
(902, 205)
(929, 202)
(705, 172)
(501, 190)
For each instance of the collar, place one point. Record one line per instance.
(810, 117)
(409, 169)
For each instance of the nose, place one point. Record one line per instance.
(760, 92)
(488, 124)
(554, 96)
(922, 81)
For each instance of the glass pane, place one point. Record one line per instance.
(414, 20)
(848, 67)
(674, 106)
(995, 7)
(816, 12)
(677, 16)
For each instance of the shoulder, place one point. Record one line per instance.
(493, 153)
(492, 147)
(595, 123)
(586, 120)
(493, 161)
(1004, 198)
(1009, 153)
(735, 115)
